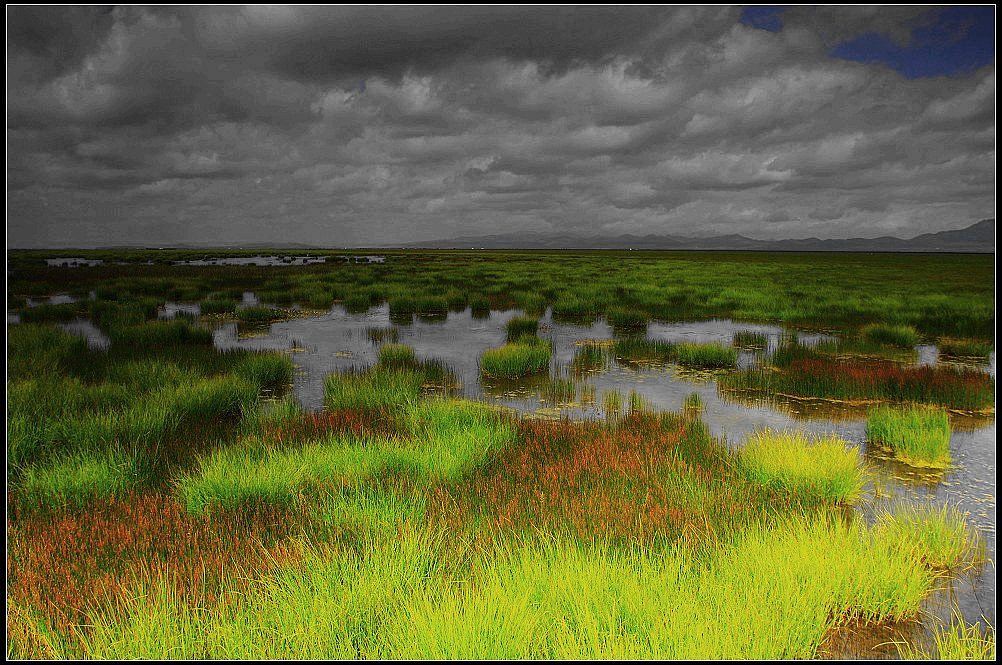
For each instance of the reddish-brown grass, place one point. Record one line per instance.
(66, 563)
(594, 481)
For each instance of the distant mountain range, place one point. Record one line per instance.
(978, 238)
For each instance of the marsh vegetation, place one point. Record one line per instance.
(520, 491)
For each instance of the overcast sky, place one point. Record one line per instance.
(368, 126)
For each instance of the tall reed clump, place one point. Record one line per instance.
(35, 350)
(810, 468)
(155, 334)
(937, 535)
(882, 333)
(518, 327)
(512, 361)
(573, 309)
(612, 402)
(431, 306)
(918, 435)
(591, 356)
(379, 335)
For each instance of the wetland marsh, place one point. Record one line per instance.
(500, 455)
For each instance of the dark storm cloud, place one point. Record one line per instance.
(332, 43)
(372, 125)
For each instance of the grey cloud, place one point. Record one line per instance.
(370, 125)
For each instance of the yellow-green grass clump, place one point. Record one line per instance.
(773, 594)
(890, 335)
(938, 535)
(515, 360)
(957, 642)
(918, 435)
(808, 467)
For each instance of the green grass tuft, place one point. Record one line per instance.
(258, 314)
(75, 479)
(623, 320)
(265, 370)
(396, 355)
(218, 306)
(514, 360)
(518, 327)
(377, 389)
(918, 435)
(881, 333)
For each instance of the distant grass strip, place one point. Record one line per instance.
(515, 360)
(811, 468)
(919, 436)
(965, 348)
(954, 387)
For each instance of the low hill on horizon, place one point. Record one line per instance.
(977, 238)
